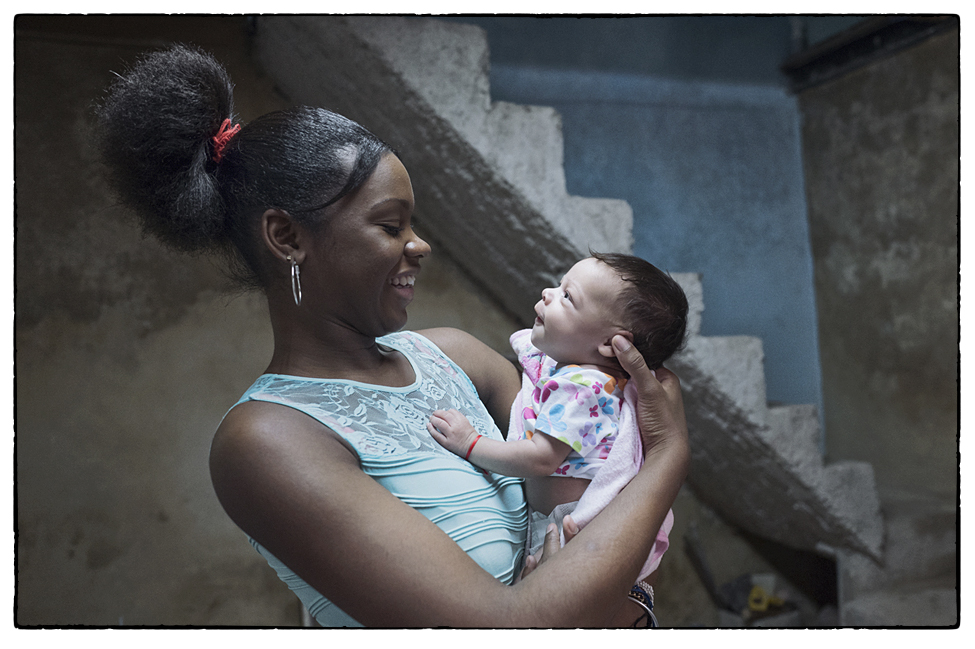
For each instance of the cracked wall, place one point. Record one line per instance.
(881, 157)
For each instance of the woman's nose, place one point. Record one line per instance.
(417, 247)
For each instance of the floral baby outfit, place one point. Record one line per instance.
(577, 406)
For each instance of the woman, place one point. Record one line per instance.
(325, 462)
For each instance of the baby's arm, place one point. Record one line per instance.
(539, 456)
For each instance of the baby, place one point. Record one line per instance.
(572, 395)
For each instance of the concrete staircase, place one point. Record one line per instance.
(917, 583)
(490, 190)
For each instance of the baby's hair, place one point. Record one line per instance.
(653, 307)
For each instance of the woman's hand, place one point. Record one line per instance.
(627, 613)
(551, 545)
(453, 431)
(660, 406)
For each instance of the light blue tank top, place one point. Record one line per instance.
(485, 515)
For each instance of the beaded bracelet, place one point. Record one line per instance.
(642, 595)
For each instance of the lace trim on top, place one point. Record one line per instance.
(379, 420)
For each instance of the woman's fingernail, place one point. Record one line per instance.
(621, 343)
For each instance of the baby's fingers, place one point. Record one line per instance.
(435, 432)
(443, 420)
(452, 416)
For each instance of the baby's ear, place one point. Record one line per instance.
(606, 348)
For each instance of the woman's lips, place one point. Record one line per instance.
(403, 284)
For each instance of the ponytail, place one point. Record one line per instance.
(199, 182)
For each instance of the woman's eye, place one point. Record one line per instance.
(392, 230)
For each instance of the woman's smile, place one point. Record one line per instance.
(403, 284)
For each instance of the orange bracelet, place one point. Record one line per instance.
(472, 446)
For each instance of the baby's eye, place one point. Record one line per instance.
(566, 295)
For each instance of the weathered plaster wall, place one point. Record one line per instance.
(127, 356)
(881, 157)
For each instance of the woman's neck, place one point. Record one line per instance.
(333, 350)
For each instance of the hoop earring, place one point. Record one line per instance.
(295, 280)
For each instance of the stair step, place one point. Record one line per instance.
(930, 607)
(916, 583)
(447, 64)
(851, 490)
(793, 430)
(730, 366)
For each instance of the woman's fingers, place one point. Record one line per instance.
(631, 359)
(660, 406)
(552, 543)
(530, 564)
(550, 546)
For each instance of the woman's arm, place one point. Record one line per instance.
(297, 489)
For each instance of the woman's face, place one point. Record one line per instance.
(362, 271)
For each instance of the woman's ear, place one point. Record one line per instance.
(281, 235)
(606, 348)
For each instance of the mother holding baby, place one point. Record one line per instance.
(326, 462)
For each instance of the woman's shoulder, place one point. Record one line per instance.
(252, 422)
(253, 416)
(464, 349)
(447, 339)
(258, 426)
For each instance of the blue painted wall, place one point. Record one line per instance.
(687, 119)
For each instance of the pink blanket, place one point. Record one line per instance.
(625, 459)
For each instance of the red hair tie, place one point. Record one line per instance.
(222, 138)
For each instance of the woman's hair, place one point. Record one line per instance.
(653, 307)
(155, 130)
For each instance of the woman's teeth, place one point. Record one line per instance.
(403, 281)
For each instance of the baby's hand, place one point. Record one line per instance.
(452, 430)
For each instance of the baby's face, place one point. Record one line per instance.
(578, 315)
